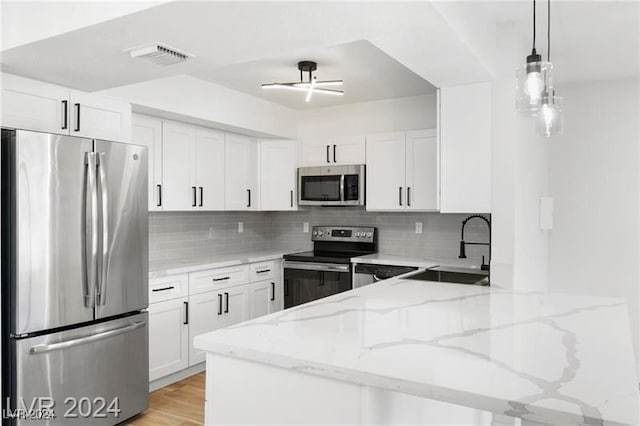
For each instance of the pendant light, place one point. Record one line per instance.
(548, 119)
(531, 78)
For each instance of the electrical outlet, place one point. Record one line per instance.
(240, 227)
(305, 227)
(418, 227)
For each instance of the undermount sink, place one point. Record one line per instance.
(457, 276)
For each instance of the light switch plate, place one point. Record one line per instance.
(305, 227)
(546, 213)
(240, 227)
(418, 227)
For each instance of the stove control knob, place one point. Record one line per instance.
(358, 234)
(315, 233)
(320, 233)
(369, 234)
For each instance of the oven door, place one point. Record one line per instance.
(308, 281)
(331, 186)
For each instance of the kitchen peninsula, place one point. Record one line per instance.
(407, 351)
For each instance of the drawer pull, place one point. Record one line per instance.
(222, 279)
(163, 289)
(263, 271)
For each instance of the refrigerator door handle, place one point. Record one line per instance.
(39, 349)
(101, 298)
(90, 230)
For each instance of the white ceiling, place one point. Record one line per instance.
(228, 34)
(368, 73)
(444, 42)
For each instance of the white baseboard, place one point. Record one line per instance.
(176, 377)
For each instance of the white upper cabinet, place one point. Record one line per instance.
(278, 175)
(33, 105)
(147, 131)
(422, 170)
(178, 141)
(386, 171)
(335, 150)
(99, 118)
(241, 163)
(209, 168)
(466, 145)
(402, 171)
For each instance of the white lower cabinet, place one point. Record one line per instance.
(168, 337)
(205, 315)
(266, 297)
(204, 301)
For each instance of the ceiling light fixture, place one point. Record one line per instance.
(531, 78)
(311, 86)
(549, 116)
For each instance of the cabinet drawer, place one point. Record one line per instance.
(262, 271)
(167, 288)
(213, 279)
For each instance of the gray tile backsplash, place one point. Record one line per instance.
(177, 235)
(174, 235)
(440, 238)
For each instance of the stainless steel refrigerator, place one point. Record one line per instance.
(74, 241)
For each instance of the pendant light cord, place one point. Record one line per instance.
(534, 25)
(548, 30)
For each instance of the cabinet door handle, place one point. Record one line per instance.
(292, 198)
(400, 195)
(65, 114)
(163, 289)
(328, 160)
(219, 304)
(226, 296)
(159, 203)
(186, 313)
(77, 129)
(193, 192)
(273, 291)
(334, 153)
(201, 194)
(408, 196)
(249, 198)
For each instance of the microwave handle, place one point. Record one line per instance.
(341, 187)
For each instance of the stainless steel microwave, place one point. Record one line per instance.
(331, 185)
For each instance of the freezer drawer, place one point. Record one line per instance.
(84, 370)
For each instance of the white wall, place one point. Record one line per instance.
(519, 178)
(200, 102)
(594, 180)
(410, 113)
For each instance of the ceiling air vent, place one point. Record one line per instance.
(159, 54)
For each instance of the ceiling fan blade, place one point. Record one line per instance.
(320, 83)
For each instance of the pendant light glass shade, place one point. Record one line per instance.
(531, 81)
(548, 119)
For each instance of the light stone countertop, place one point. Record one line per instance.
(159, 269)
(548, 358)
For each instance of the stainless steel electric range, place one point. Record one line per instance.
(326, 270)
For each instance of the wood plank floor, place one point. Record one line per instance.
(179, 404)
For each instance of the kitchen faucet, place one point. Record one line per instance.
(463, 243)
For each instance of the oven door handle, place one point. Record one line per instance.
(311, 266)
